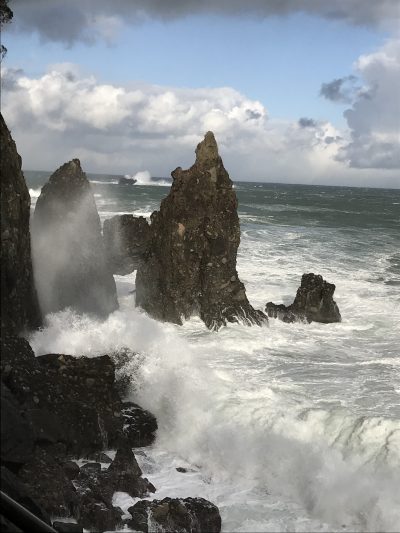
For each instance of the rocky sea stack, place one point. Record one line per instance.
(71, 269)
(190, 265)
(19, 305)
(313, 303)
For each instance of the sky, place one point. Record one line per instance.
(295, 91)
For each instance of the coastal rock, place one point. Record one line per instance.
(71, 268)
(140, 426)
(126, 239)
(189, 515)
(190, 266)
(313, 303)
(126, 181)
(19, 304)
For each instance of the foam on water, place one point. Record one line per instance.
(291, 427)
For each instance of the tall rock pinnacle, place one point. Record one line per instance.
(190, 265)
(71, 268)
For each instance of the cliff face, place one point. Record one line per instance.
(19, 305)
(190, 265)
(70, 262)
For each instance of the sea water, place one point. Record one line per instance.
(286, 427)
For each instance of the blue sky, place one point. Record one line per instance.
(279, 62)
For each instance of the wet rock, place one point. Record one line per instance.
(313, 303)
(126, 239)
(48, 484)
(16, 433)
(190, 266)
(126, 181)
(71, 269)
(97, 517)
(19, 304)
(189, 515)
(140, 426)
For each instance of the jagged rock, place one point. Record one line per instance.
(190, 266)
(71, 269)
(19, 304)
(140, 426)
(126, 181)
(126, 239)
(191, 515)
(95, 516)
(313, 303)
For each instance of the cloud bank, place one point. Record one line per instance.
(90, 20)
(66, 113)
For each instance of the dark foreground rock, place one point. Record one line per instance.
(189, 515)
(190, 266)
(71, 268)
(69, 400)
(19, 304)
(126, 239)
(313, 303)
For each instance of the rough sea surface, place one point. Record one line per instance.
(291, 427)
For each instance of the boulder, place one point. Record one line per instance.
(140, 426)
(126, 181)
(190, 265)
(189, 515)
(19, 304)
(71, 268)
(313, 303)
(126, 239)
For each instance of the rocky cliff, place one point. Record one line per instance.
(71, 268)
(19, 306)
(190, 266)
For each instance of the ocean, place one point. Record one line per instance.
(286, 427)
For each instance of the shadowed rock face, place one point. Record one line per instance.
(126, 238)
(313, 303)
(190, 266)
(70, 263)
(19, 305)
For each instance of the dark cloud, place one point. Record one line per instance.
(305, 122)
(340, 90)
(253, 115)
(68, 21)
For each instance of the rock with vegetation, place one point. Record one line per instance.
(71, 268)
(126, 239)
(19, 304)
(313, 303)
(190, 265)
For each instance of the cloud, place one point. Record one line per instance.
(90, 20)
(341, 90)
(307, 122)
(374, 117)
(66, 113)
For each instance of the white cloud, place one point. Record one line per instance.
(374, 118)
(121, 129)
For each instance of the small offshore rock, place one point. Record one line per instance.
(313, 303)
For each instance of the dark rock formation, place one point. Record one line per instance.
(191, 515)
(313, 303)
(70, 262)
(126, 181)
(140, 426)
(19, 305)
(126, 239)
(73, 400)
(191, 263)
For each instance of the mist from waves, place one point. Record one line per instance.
(287, 427)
